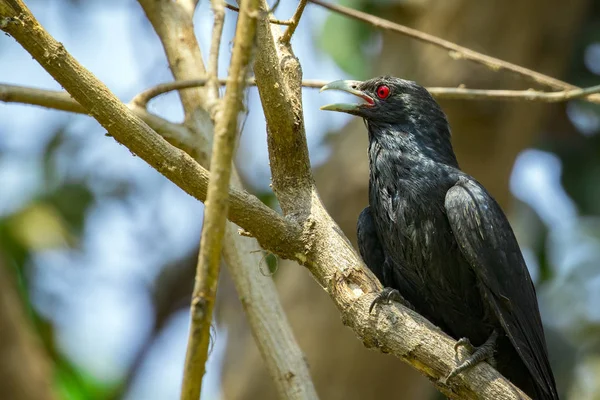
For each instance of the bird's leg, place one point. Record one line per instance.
(386, 296)
(478, 354)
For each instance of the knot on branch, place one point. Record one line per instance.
(351, 284)
(6, 21)
(199, 306)
(307, 237)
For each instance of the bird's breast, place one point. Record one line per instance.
(410, 216)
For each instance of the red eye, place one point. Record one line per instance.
(383, 92)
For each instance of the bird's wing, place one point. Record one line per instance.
(489, 245)
(369, 246)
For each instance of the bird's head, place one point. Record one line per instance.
(397, 107)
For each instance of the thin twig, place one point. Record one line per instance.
(295, 20)
(514, 95)
(215, 212)
(273, 7)
(271, 20)
(441, 93)
(143, 98)
(455, 51)
(55, 99)
(215, 44)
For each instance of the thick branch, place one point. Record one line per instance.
(213, 230)
(283, 357)
(292, 179)
(455, 51)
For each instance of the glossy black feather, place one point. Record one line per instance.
(487, 241)
(368, 243)
(437, 236)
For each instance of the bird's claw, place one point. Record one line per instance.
(466, 343)
(477, 355)
(386, 296)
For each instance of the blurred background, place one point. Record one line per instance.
(97, 250)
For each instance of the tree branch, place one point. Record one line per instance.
(587, 94)
(173, 22)
(278, 82)
(271, 20)
(455, 51)
(318, 243)
(213, 230)
(294, 21)
(215, 45)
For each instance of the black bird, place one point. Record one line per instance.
(438, 241)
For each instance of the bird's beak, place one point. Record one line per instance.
(348, 87)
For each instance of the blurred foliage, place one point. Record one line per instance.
(53, 219)
(74, 384)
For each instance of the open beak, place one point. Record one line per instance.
(348, 87)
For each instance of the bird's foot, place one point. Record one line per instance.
(386, 296)
(478, 354)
